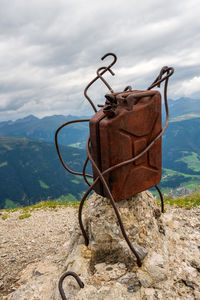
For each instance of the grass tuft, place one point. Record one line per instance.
(187, 202)
(4, 217)
(54, 204)
(24, 216)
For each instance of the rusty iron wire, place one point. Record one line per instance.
(165, 70)
(60, 287)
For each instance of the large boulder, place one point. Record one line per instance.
(107, 266)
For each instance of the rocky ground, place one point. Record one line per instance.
(32, 240)
(34, 254)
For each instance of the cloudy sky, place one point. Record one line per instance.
(51, 49)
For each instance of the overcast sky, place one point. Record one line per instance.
(51, 49)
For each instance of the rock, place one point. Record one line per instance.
(134, 232)
(35, 287)
(195, 265)
(188, 283)
(133, 287)
(110, 260)
(1, 285)
(141, 251)
(109, 272)
(145, 279)
(157, 274)
(131, 280)
(197, 295)
(157, 213)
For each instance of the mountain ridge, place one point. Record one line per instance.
(44, 129)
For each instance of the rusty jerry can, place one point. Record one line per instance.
(122, 129)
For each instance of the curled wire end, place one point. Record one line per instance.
(105, 69)
(164, 70)
(110, 54)
(159, 79)
(60, 287)
(128, 88)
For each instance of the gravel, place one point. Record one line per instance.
(31, 239)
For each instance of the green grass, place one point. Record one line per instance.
(24, 216)
(4, 217)
(184, 117)
(43, 185)
(192, 161)
(75, 181)
(3, 164)
(169, 173)
(63, 201)
(187, 202)
(54, 204)
(76, 145)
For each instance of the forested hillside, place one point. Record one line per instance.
(30, 171)
(181, 154)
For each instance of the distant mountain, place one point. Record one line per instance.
(187, 107)
(76, 134)
(30, 171)
(44, 129)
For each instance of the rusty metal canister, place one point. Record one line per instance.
(121, 130)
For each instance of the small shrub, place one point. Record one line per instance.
(4, 217)
(45, 204)
(24, 216)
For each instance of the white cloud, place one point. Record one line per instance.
(188, 87)
(50, 50)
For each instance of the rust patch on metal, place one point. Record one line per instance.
(122, 136)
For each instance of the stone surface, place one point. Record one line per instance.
(169, 247)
